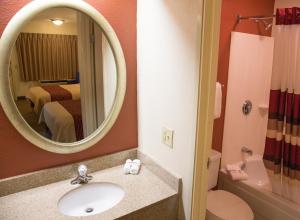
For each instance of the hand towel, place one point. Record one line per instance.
(218, 101)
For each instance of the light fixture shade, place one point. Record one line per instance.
(57, 22)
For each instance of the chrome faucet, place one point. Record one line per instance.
(82, 177)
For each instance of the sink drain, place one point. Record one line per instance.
(89, 210)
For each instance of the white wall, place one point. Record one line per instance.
(249, 78)
(109, 75)
(168, 42)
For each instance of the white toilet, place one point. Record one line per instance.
(223, 205)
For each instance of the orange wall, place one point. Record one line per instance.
(18, 156)
(230, 10)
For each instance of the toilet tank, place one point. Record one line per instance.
(213, 168)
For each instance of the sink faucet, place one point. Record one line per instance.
(82, 177)
(247, 151)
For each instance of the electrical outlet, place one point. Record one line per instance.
(167, 137)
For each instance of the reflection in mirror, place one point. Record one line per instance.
(63, 75)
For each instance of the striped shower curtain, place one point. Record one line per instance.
(282, 146)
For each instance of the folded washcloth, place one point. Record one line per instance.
(134, 169)
(238, 175)
(137, 161)
(233, 167)
(127, 166)
(132, 166)
(135, 166)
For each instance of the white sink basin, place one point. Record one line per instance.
(91, 199)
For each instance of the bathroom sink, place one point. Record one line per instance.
(91, 199)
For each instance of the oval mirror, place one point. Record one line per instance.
(63, 75)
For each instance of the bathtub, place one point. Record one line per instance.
(257, 192)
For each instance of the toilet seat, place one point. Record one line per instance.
(223, 205)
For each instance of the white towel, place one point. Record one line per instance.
(233, 167)
(218, 100)
(127, 166)
(137, 161)
(238, 175)
(135, 167)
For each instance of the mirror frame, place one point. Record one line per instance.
(7, 41)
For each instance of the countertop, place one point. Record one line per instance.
(41, 203)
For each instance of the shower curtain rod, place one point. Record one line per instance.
(258, 17)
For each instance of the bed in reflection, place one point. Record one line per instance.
(50, 94)
(63, 119)
(40, 95)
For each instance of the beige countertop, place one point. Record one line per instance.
(41, 203)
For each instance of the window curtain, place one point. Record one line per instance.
(282, 146)
(47, 56)
(90, 53)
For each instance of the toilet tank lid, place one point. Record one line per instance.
(214, 155)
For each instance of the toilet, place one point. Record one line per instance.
(223, 205)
